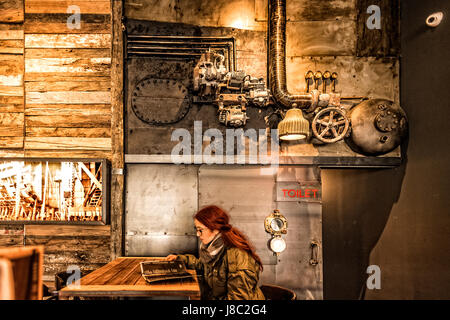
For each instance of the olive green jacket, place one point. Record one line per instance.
(233, 275)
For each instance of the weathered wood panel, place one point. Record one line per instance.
(87, 247)
(379, 42)
(11, 142)
(11, 235)
(67, 41)
(11, 11)
(61, 6)
(68, 97)
(68, 132)
(11, 91)
(11, 104)
(117, 138)
(45, 153)
(81, 85)
(103, 121)
(11, 34)
(72, 143)
(68, 109)
(57, 23)
(11, 124)
(67, 66)
(68, 53)
(11, 70)
(11, 46)
(315, 38)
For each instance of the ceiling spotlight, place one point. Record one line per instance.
(294, 126)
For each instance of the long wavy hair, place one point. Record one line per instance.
(215, 218)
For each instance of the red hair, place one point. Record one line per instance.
(215, 218)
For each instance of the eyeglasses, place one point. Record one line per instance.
(199, 230)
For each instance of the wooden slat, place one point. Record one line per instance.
(11, 142)
(80, 256)
(53, 77)
(68, 132)
(66, 230)
(11, 240)
(69, 120)
(68, 66)
(12, 46)
(11, 153)
(42, 86)
(11, 11)
(68, 97)
(60, 6)
(67, 53)
(72, 143)
(55, 243)
(57, 23)
(11, 35)
(11, 104)
(67, 41)
(11, 91)
(87, 154)
(68, 109)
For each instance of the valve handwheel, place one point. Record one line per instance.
(330, 124)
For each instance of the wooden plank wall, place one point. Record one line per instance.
(67, 79)
(55, 101)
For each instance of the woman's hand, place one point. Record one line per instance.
(171, 257)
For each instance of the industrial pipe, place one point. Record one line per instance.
(277, 61)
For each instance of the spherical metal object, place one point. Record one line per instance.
(378, 126)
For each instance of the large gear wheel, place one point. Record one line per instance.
(160, 101)
(330, 124)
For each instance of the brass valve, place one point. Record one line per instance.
(325, 77)
(309, 76)
(317, 77)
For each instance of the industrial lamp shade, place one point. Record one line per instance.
(294, 126)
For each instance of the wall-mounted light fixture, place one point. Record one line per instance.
(276, 225)
(294, 126)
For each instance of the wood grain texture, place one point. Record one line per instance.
(12, 46)
(68, 66)
(67, 41)
(11, 11)
(75, 121)
(68, 53)
(11, 142)
(11, 35)
(61, 6)
(72, 143)
(86, 154)
(68, 132)
(122, 277)
(11, 104)
(66, 230)
(83, 85)
(68, 97)
(58, 23)
(117, 133)
(11, 124)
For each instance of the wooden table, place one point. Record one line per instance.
(122, 278)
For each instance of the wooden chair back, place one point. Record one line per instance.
(26, 265)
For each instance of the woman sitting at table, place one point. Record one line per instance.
(228, 265)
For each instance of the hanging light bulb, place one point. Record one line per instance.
(294, 126)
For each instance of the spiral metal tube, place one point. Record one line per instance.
(277, 59)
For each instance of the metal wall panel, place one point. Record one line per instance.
(160, 203)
